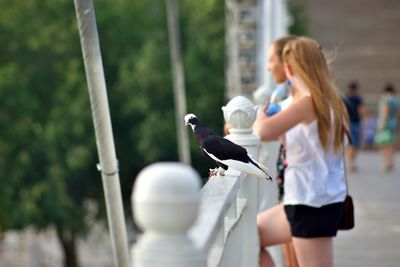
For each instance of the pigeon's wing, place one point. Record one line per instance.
(205, 154)
(228, 153)
(223, 149)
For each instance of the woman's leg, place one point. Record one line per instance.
(387, 153)
(265, 258)
(273, 229)
(314, 252)
(290, 255)
(390, 159)
(351, 155)
(384, 156)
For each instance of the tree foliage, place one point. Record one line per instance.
(47, 144)
(300, 21)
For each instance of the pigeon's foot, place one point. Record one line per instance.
(213, 172)
(216, 172)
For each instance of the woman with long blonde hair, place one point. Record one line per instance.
(313, 129)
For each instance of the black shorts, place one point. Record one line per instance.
(306, 221)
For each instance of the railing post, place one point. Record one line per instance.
(268, 155)
(240, 114)
(165, 204)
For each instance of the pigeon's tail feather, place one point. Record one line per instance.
(264, 169)
(251, 169)
(248, 166)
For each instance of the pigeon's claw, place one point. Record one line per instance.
(213, 172)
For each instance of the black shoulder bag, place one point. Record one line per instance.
(347, 221)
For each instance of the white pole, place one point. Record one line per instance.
(178, 81)
(267, 37)
(103, 130)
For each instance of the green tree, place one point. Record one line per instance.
(46, 143)
(300, 25)
(47, 146)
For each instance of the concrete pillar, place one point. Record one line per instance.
(240, 113)
(165, 203)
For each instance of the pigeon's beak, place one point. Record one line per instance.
(186, 123)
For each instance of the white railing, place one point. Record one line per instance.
(184, 226)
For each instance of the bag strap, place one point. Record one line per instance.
(346, 131)
(345, 173)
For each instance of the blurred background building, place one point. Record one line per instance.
(364, 36)
(361, 38)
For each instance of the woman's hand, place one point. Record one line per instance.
(265, 107)
(300, 110)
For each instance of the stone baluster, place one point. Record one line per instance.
(165, 204)
(268, 155)
(240, 114)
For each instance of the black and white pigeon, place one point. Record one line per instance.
(223, 151)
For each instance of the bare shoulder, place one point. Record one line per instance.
(304, 108)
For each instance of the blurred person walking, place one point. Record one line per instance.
(313, 127)
(388, 113)
(369, 130)
(356, 110)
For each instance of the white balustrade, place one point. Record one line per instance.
(165, 202)
(184, 226)
(240, 113)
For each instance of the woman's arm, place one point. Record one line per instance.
(362, 111)
(299, 111)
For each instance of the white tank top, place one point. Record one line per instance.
(313, 176)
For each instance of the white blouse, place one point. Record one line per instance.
(313, 176)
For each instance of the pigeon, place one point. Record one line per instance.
(224, 152)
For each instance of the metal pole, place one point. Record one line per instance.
(269, 36)
(232, 73)
(103, 130)
(178, 80)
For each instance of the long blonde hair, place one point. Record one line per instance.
(280, 43)
(305, 56)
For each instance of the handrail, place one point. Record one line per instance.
(218, 195)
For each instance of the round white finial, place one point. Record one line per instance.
(166, 197)
(240, 113)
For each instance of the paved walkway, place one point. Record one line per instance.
(375, 241)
